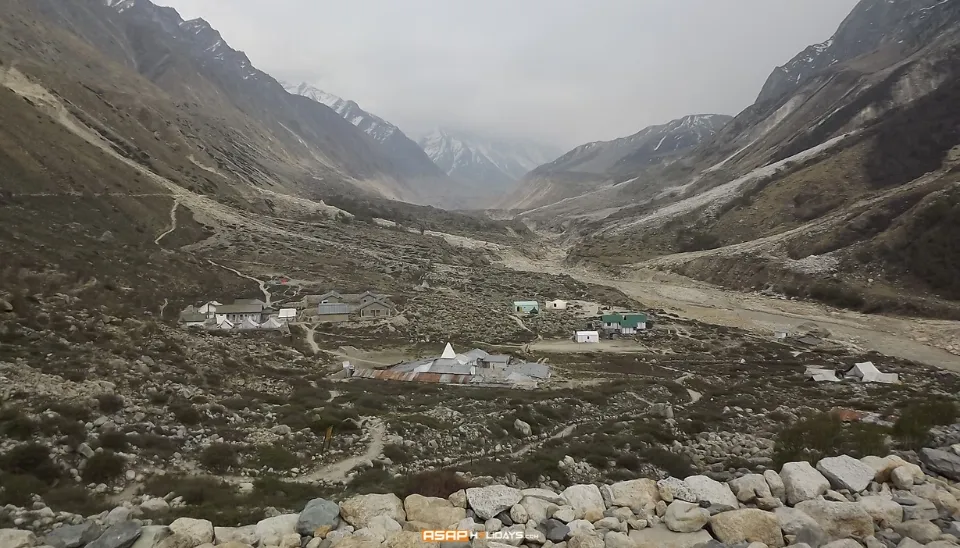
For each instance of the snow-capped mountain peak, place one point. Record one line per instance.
(482, 160)
(372, 125)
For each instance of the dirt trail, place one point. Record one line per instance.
(308, 335)
(263, 285)
(921, 340)
(173, 220)
(337, 472)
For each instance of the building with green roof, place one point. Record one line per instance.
(626, 324)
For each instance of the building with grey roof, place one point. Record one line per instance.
(475, 367)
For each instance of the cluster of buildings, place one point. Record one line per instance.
(533, 307)
(336, 307)
(243, 314)
(612, 326)
(331, 307)
(475, 367)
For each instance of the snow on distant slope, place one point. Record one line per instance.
(372, 125)
(483, 160)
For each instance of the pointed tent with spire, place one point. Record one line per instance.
(448, 353)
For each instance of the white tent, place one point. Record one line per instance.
(448, 352)
(272, 323)
(867, 372)
(249, 324)
(557, 305)
(588, 336)
(224, 323)
(821, 375)
(287, 314)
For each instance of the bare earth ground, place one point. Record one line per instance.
(933, 342)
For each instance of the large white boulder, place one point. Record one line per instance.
(845, 472)
(271, 531)
(716, 493)
(750, 487)
(660, 537)
(637, 495)
(439, 513)
(537, 508)
(747, 525)
(244, 535)
(685, 517)
(671, 489)
(200, 531)
(775, 483)
(586, 500)
(839, 520)
(802, 482)
(359, 510)
(884, 511)
(487, 502)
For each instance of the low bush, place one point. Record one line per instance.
(186, 414)
(19, 427)
(276, 457)
(825, 435)
(219, 457)
(156, 445)
(912, 427)
(18, 489)
(30, 459)
(397, 453)
(436, 483)
(110, 403)
(116, 441)
(103, 467)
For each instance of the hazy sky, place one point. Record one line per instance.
(561, 71)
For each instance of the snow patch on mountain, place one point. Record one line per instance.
(480, 159)
(372, 125)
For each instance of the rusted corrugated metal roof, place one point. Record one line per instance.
(409, 376)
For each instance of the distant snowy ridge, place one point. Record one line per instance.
(484, 160)
(372, 125)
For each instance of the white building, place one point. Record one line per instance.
(557, 305)
(587, 336)
(287, 315)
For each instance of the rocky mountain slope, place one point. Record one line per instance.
(199, 97)
(494, 165)
(588, 166)
(407, 157)
(839, 186)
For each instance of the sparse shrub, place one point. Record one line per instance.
(373, 480)
(629, 461)
(116, 441)
(18, 489)
(76, 499)
(276, 457)
(72, 429)
(678, 466)
(154, 444)
(825, 435)
(20, 427)
(436, 483)
(912, 427)
(397, 453)
(103, 467)
(187, 414)
(218, 457)
(159, 398)
(30, 459)
(110, 403)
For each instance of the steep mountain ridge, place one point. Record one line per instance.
(816, 193)
(408, 159)
(493, 165)
(869, 27)
(591, 166)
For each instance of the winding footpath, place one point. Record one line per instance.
(173, 220)
(263, 285)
